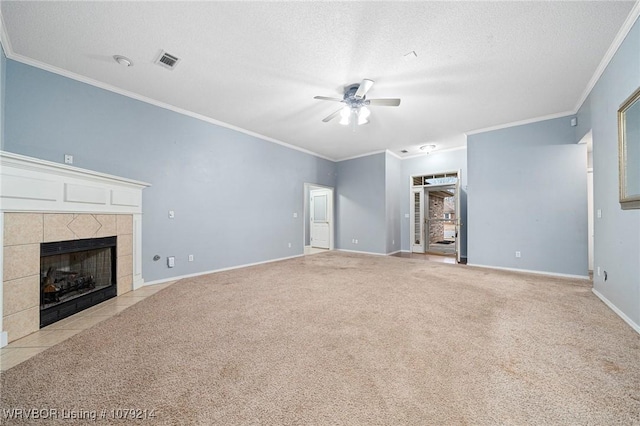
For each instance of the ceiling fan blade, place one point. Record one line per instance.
(325, 98)
(383, 102)
(364, 88)
(331, 117)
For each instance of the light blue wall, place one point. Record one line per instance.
(360, 204)
(435, 162)
(617, 232)
(528, 192)
(393, 172)
(233, 195)
(3, 72)
(584, 119)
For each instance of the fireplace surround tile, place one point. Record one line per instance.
(124, 224)
(125, 284)
(21, 261)
(22, 228)
(125, 245)
(36, 207)
(21, 307)
(84, 226)
(125, 265)
(56, 227)
(21, 294)
(108, 225)
(22, 323)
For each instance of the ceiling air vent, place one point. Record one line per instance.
(167, 60)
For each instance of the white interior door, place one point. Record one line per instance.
(417, 220)
(319, 206)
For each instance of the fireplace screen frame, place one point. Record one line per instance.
(51, 314)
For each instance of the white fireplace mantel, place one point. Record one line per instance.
(37, 186)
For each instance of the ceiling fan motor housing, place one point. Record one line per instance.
(350, 97)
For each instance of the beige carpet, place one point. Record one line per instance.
(346, 339)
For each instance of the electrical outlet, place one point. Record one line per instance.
(68, 159)
(295, 215)
(172, 214)
(289, 245)
(518, 254)
(598, 271)
(171, 261)
(599, 213)
(190, 258)
(356, 241)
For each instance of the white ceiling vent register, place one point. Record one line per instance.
(167, 60)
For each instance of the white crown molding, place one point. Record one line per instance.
(615, 45)
(4, 37)
(8, 50)
(435, 152)
(393, 154)
(132, 95)
(520, 123)
(361, 155)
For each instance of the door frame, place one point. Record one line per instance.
(413, 188)
(306, 198)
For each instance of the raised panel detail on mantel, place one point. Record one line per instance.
(28, 188)
(84, 194)
(30, 184)
(121, 197)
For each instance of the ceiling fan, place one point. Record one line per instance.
(355, 109)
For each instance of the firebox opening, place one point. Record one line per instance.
(75, 275)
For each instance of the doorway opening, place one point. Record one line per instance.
(588, 140)
(318, 219)
(435, 211)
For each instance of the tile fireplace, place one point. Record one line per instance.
(70, 238)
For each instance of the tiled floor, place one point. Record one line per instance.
(23, 349)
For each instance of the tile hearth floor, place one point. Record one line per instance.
(23, 349)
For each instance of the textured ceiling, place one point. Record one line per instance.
(257, 65)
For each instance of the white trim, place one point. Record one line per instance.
(615, 309)
(361, 155)
(362, 252)
(4, 339)
(31, 163)
(73, 76)
(4, 36)
(213, 271)
(615, 45)
(34, 185)
(393, 154)
(437, 151)
(529, 271)
(521, 122)
(393, 252)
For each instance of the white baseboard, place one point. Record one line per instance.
(362, 252)
(529, 271)
(394, 252)
(213, 271)
(3, 339)
(615, 309)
